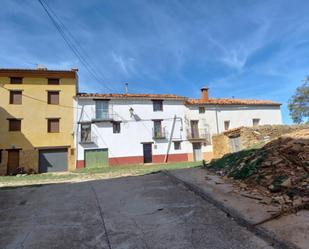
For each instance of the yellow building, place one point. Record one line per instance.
(36, 120)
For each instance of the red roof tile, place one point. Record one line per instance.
(130, 96)
(224, 101)
(18, 72)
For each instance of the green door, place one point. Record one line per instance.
(96, 158)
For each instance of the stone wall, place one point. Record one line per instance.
(3, 163)
(250, 136)
(221, 145)
(28, 159)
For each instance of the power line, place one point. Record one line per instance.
(61, 28)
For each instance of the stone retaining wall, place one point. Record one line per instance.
(250, 136)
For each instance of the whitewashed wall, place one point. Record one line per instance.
(133, 133)
(237, 115)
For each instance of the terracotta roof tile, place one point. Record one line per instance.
(18, 72)
(130, 96)
(225, 101)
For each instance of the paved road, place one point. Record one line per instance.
(137, 212)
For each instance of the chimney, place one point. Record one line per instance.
(126, 88)
(204, 93)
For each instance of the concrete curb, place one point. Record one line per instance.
(267, 235)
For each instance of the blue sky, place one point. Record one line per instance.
(241, 48)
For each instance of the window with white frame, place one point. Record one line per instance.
(226, 125)
(101, 109)
(177, 145)
(255, 121)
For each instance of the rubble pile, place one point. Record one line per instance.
(279, 169)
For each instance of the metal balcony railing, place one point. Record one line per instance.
(198, 134)
(159, 133)
(105, 116)
(88, 139)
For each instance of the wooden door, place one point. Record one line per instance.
(147, 149)
(194, 129)
(13, 162)
(235, 144)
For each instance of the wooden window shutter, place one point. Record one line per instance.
(14, 125)
(53, 98)
(16, 80)
(16, 97)
(53, 125)
(53, 81)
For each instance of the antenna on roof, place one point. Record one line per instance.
(126, 88)
(41, 67)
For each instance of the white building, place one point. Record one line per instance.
(129, 129)
(114, 129)
(206, 116)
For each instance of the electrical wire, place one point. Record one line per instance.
(61, 28)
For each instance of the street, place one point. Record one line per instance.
(147, 211)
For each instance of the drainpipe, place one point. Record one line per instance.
(170, 140)
(77, 129)
(217, 123)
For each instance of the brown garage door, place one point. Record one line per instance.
(13, 162)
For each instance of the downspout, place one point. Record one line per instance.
(217, 123)
(170, 140)
(77, 129)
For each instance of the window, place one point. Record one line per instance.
(201, 109)
(116, 127)
(53, 97)
(85, 133)
(177, 145)
(53, 81)
(157, 129)
(16, 80)
(53, 125)
(256, 121)
(157, 105)
(14, 124)
(226, 125)
(15, 97)
(101, 109)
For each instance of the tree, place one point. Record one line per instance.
(299, 104)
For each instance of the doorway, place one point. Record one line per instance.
(13, 162)
(96, 158)
(197, 152)
(147, 152)
(53, 160)
(194, 129)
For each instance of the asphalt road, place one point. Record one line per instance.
(125, 213)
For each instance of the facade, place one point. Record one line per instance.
(36, 116)
(46, 126)
(129, 129)
(155, 128)
(206, 117)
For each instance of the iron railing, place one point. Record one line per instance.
(159, 133)
(198, 134)
(88, 139)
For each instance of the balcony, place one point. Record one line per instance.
(88, 139)
(104, 117)
(202, 135)
(159, 133)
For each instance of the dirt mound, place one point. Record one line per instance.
(280, 167)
